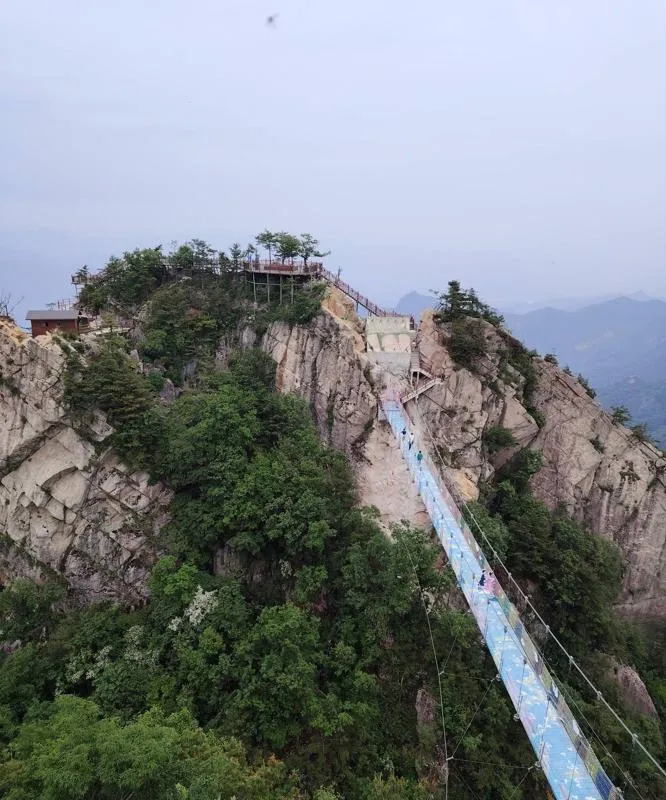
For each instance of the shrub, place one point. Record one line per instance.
(586, 385)
(597, 444)
(641, 432)
(467, 342)
(305, 307)
(550, 358)
(620, 415)
(498, 438)
(111, 383)
(538, 416)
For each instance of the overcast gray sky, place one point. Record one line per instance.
(519, 145)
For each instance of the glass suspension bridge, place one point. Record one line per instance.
(564, 754)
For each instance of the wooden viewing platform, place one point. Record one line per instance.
(260, 270)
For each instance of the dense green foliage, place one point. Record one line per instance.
(110, 382)
(464, 313)
(128, 281)
(187, 301)
(456, 303)
(282, 618)
(184, 323)
(68, 750)
(573, 578)
(467, 342)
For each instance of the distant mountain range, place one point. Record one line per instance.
(416, 303)
(618, 344)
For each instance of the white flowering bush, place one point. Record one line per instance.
(200, 606)
(87, 665)
(133, 651)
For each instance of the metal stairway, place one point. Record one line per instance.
(421, 389)
(566, 757)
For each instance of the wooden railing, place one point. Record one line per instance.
(345, 288)
(315, 270)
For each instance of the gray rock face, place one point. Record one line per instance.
(607, 479)
(634, 693)
(616, 488)
(65, 508)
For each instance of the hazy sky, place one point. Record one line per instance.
(519, 146)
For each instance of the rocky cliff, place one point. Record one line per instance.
(608, 480)
(325, 363)
(68, 508)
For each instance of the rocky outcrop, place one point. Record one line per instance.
(633, 691)
(608, 480)
(463, 406)
(325, 363)
(68, 506)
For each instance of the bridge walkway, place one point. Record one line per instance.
(568, 762)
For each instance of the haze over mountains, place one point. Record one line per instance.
(618, 344)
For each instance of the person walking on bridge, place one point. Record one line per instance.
(410, 441)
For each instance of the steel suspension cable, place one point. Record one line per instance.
(476, 711)
(571, 659)
(439, 677)
(570, 699)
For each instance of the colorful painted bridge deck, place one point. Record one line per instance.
(568, 761)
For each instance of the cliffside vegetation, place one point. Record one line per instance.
(574, 577)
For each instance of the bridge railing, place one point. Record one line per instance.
(344, 287)
(592, 764)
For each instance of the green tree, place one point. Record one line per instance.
(110, 382)
(130, 280)
(288, 246)
(457, 302)
(268, 240)
(309, 248)
(67, 751)
(498, 438)
(236, 253)
(279, 660)
(27, 610)
(620, 415)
